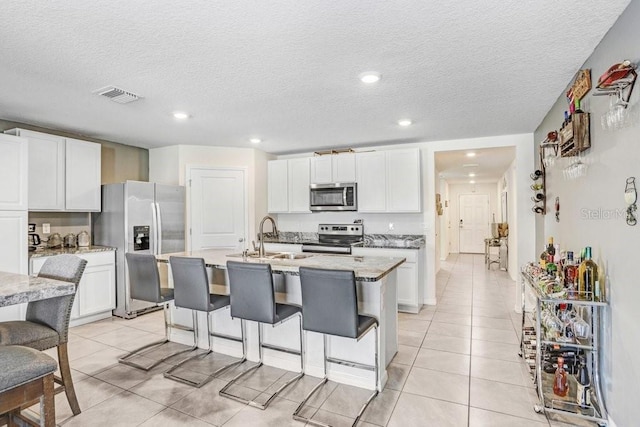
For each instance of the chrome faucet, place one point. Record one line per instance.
(261, 234)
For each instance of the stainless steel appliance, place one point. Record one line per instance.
(333, 197)
(143, 217)
(336, 239)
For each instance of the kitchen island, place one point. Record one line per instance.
(377, 296)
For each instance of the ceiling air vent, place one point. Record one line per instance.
(118, 95)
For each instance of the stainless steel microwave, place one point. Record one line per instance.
(333, 197)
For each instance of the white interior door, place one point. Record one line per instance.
(473, 222)
(217, 208)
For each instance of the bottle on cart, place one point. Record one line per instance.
(570, 273)
(551, 249)
(560, 383)
(587, 277)
(583, 398)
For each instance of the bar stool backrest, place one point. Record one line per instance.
(329, 301)
(191, 283)
(56, 312)
(252, 292)
(144, 279)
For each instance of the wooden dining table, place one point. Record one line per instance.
(21, 288)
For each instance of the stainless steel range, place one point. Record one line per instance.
(336, 238)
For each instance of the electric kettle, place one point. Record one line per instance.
(83, 239)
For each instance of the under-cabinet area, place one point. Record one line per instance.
(96, 294)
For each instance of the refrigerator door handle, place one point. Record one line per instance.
(158, 230)
(153, 235)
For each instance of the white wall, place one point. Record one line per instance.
(457, 190)
(169, 164)
(445, 221)
(509, 178)
(612, 158)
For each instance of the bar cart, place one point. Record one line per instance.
(566, 326)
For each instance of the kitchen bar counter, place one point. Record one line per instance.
(42, 252)
(377, 296)
(382, 241)
(366, 268)
(20, 288)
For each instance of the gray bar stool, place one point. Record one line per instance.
(253, 298)
(330, 307)
(191, 290)
(144, 283)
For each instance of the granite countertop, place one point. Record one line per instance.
(366, 268)
(382, 241)
(20, 288)
(42, 252)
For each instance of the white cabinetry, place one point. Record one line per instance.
(13, 213)
(13, 174)
(389, 181)
(64, 173)
(288, 185)
(372, 181)
(96, 295)
(333, 168)
(410, 276)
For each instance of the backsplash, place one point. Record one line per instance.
(60, 222)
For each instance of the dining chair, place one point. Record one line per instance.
(47, 321)
(26, 376)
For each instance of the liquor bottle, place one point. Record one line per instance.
(551, 250)
(560, 383)
(551, 266)
(583, 398)
(570, 275)
(587, 276)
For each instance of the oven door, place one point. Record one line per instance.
(332, 197)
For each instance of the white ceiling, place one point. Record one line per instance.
(488, 164)
(286, 71)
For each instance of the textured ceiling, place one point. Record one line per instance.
(286, 70)
(490, 165)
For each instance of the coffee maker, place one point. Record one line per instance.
(34, 239)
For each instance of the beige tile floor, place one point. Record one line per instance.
(457, 365)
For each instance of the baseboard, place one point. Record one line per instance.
(88, 319)
(430, 301)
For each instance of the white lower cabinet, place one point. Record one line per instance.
(410, 275)
(96, 295)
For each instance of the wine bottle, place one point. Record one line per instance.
(587, 276)
(570, 275)
(560, 383)
(583, 398)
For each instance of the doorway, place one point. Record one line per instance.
(218, 209)
(474, 222)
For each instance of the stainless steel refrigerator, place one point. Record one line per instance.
(140, 217)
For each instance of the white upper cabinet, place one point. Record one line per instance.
(389, 181)
(13, 173)
(403, 181)
(64, 173)
(372, 181)
(277, 185)
(333, 168)
(288, 185)
(82, 175)
(298, 185)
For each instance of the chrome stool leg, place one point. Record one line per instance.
(149, 347)
(173, 376)
(224, 391)
(326, 360)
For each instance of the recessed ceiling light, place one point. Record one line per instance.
(472, 182)
(405, 122)
(471, 175)
(180, 115)
(471, 154)
(255, 140)
(369, 77)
